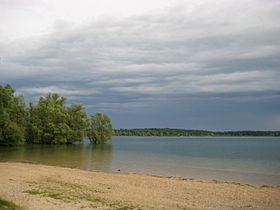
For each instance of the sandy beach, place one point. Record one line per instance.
(35, 186)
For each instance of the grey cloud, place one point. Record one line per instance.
(222, 52)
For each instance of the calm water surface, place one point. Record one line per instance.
(253, 160)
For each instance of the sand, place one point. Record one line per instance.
(50, 187)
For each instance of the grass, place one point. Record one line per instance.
(34, 192)
(8, 205)
(69, 192)
(46, 193)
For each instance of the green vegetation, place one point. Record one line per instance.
(49, 194)
(184, 132)
(8, 205)
(50, 121)
(100, 129)
(12, 117)
(74, 193)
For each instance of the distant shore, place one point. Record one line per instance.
(50, 187)
(188, 132)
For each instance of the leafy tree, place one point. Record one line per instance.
(100, 129)
(76, 120)
(12, 117)
(51, 122)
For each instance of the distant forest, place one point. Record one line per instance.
(184, 132)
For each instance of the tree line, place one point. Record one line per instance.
(185, 132)
(49, 121)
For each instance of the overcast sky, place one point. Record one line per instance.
(212, 64)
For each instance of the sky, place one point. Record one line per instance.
(192, 64)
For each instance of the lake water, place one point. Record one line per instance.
(253, 160)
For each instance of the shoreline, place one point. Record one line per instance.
(36, 186)
(153, 175)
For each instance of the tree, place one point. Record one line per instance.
(12, 117)
(51, 122)
(100, 129)
(76, 120)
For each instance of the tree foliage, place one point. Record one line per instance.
(50, 121)
(184, 132)
(100, 129)
(12, 117)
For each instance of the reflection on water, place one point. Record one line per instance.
(254, 160)
(87, 156)
(98, 157)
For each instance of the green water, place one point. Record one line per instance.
(246, 160)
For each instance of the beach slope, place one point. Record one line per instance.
(49, 187)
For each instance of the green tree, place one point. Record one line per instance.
(51, 122)
(100, 129)
(76, 120)
(12, 117)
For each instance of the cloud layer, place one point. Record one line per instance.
(175, 60)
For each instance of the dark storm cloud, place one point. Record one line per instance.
(229, 54)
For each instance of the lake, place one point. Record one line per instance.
(252, 160)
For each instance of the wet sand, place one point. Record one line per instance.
(50, 187)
